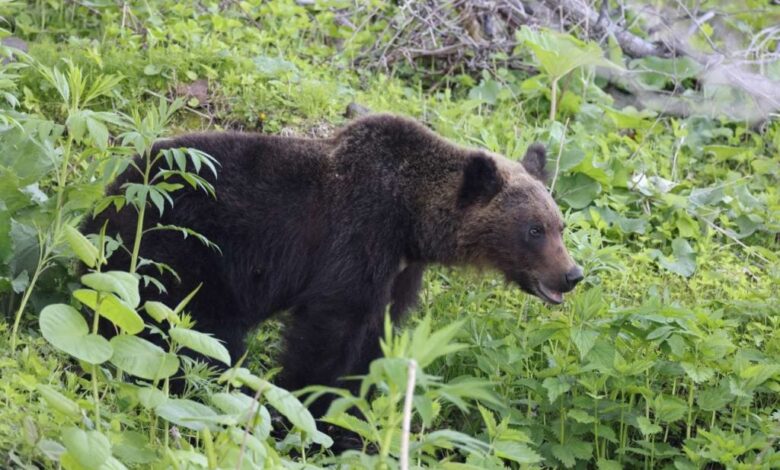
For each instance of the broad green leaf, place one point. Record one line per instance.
(187, 413)
(201, 342)
(655, 73)
(651, 185)
(556, 387)
(460, 390)
(571, 451)
(697, 372)
(235, 403)
(160, 312)
(77, 125)
(59, 402)
(707, 196)
(151, 69)
(571, 156)
(564, 454)
(273, 66)
(133, 448)
(287, 404)
(757, 374)
(143, 359)
(121, 283)
(577, 190)
(602, 355)
(647, 427)
(630, 118)
(487, 91)
(446, 438)
(426, 409)
(151, 397)
(242, 376)
(489, 420)
(354, 424)
(115, 310)
(50, 449)
(682, 261)
(560, 53)
(516, 452)
(25, 157)
(669, 408)
(83, 248)
(254, 456)
(90, 449)
(98, 132)
(604, 464)
(66, 330)
(584, 339)
(581, 416)
(713, 399)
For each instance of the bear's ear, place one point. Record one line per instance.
(534, 161)
(481, 181)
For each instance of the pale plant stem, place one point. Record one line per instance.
(407, 418)
(554, 99)
(690, 409)
(558, 158)
(596, 427)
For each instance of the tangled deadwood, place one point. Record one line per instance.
(437, 37)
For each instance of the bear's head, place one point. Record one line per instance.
(511, 223)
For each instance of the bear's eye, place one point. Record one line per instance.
(536, 231)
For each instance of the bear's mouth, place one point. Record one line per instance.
(549, 295)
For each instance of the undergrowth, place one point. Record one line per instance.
(667, 356)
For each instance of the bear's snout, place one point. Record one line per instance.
(573, 277)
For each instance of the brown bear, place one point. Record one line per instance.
(336, 230)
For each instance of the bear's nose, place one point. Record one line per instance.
(573, 277)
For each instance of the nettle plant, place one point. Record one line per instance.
(398, 388)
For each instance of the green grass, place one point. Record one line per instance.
(668, 355)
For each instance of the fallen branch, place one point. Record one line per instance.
(599, 26)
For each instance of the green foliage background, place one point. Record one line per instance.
(667, 356)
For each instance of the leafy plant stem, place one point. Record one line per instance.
(45, 248)
(39, 268)
(140, 223)
(96, 394)
(596, 427)
(622, 424)
(689, 421)
(95, 390)
(674, 392)
(392, 419)
(563, 422)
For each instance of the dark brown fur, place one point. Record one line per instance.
(336, 230)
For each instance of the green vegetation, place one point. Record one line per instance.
(668, 355)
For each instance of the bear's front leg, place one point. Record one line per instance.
(324, 345)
